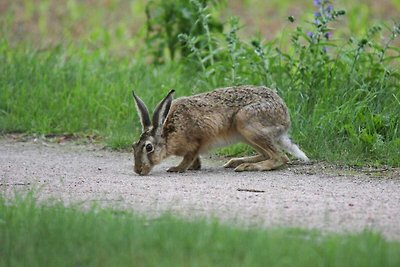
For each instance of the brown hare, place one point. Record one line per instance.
(189, 126)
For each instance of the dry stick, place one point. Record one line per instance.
(1, 184)
(250, 190)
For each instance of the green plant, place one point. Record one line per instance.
(166, 19)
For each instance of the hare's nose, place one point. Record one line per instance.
(138, 170)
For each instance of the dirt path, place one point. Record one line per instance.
(308, 196)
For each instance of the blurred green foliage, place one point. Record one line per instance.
(49, 234)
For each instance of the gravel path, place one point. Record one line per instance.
(316, 196)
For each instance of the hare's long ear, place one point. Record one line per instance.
(161, 111)
(143, 112)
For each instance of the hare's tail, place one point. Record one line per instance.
(287, 144)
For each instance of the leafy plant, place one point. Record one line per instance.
(166, 19)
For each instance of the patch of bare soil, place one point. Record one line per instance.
(316, 196)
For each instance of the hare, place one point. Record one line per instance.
(189, 126)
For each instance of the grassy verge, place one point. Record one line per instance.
(342, 92)
(59, 91)
(33, 234)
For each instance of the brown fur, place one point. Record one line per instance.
(255, 115)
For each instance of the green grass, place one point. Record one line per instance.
(344, 103)
(33, 234)
(54, 91)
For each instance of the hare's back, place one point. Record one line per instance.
(217, 109)
(221, 105)
(213, 117)
(238, 96)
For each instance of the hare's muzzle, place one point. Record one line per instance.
(142, 170)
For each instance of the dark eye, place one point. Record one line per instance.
(149, 147)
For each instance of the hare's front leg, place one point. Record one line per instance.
(196, 165)
(189, 160)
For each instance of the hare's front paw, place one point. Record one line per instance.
(196, 165)
(176, 169)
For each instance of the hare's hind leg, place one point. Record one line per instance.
(273, 159)
(262, 139)
(233, 163)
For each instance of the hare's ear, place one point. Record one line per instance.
(161, 111)
(143, 112)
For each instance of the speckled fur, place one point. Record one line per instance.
(252, 114)
(197, 122)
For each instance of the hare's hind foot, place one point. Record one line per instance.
(265, 165)
(176, 169)
(235, 162)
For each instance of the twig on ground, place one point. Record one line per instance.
(250, 190)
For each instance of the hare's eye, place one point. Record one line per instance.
(149, 148)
